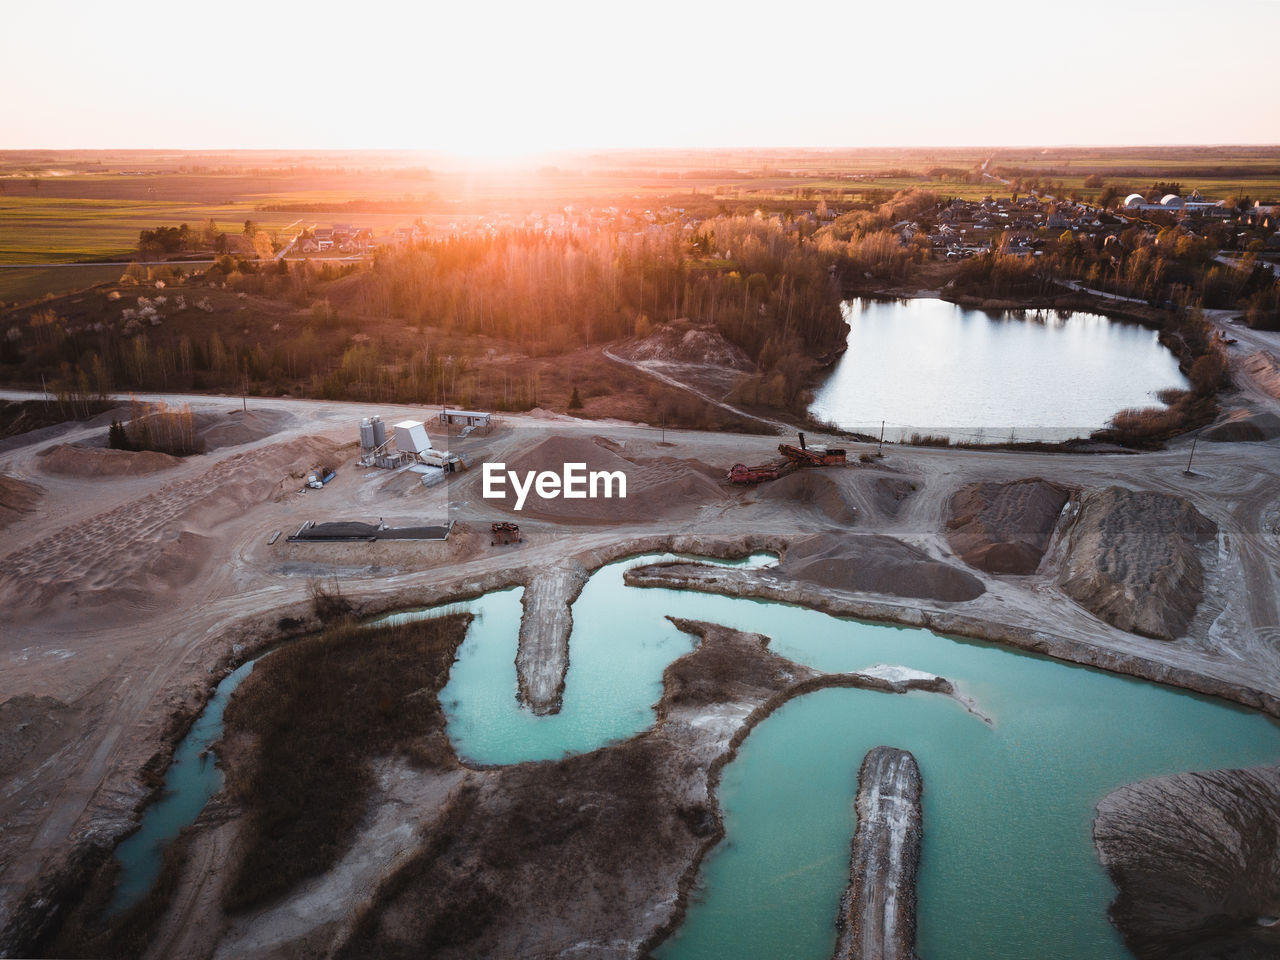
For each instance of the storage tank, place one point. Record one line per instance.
(379, 432)
(366, 435)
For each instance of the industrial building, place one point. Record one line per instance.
(407, 446)
(469, 420)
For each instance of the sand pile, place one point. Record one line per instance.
(1131, 559)
(875, 564)
(77, 460)
(683, 341)
(1005, 527)
(1196, 860)
(665, 487)
(814, 489)
(134, 554)
(1241, 426)
(888, 493)
(219, 430)
(17, 499)
(711, 471)
(1264, 368)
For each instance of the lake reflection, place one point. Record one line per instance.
(933, 367)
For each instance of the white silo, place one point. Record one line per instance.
(367, 441)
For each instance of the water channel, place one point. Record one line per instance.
(1008, 868)
(932, 367)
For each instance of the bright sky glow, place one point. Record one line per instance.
(498, 79)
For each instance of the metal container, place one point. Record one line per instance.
(367, 435)
(379, 432)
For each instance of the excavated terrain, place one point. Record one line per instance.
(1132, 559)
(1196, 860)
(877, 564)
(1005, 527)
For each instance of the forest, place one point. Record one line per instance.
(466, 318)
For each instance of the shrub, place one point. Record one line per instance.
(327, 601)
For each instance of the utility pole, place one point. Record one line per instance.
(1187, 471)
(44, 393)
(880, 448)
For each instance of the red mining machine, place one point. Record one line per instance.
(505, 532)
(807, 456)
(796, 457)
(741, 473)
(812, 456)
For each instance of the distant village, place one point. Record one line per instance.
(956, 229)
(965, 228)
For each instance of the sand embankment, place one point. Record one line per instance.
(1264, 369)
(889, 493)
(136, 554)
(77, 460)
(238, 427)
(877, 564)
(1241, 426)
(1195, 858)
(813, 489)
(1131, 558)
(542, 657)
(17, 499)
(877, 915)
(1005, 527)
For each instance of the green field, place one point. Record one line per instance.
(19, 284)
(36, 229)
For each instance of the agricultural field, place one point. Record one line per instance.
(77, 207)
(20, 284)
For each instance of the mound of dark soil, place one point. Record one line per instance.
(1244, 427)
(875, 564)
(219, 430)
(815, 489)
(1132, 560)
(1005, 527)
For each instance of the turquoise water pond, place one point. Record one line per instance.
(1008, 868)
(192, 778)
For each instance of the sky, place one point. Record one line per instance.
(504, 79)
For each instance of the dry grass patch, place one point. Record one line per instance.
(316, 712)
